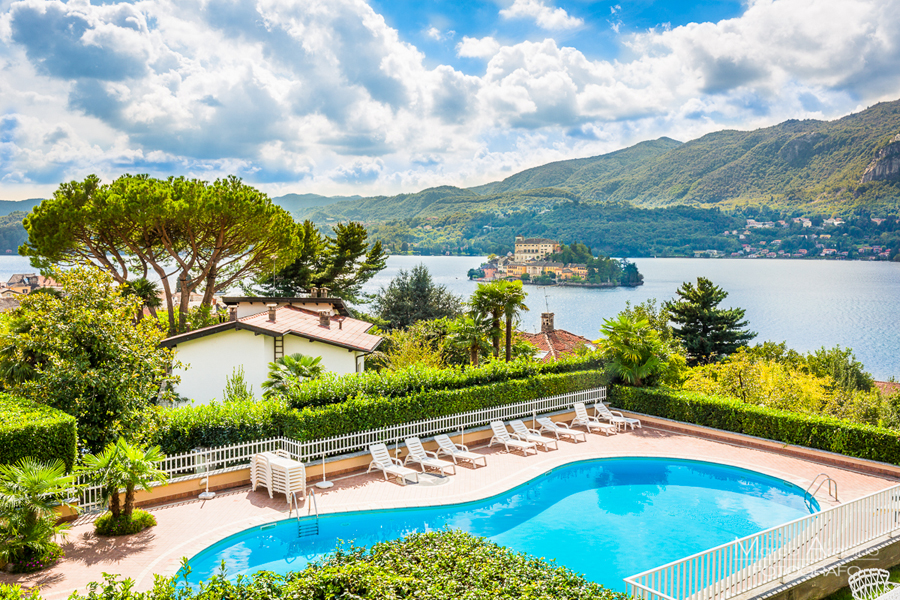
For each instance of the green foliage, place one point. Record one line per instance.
(29, 490)
(108, 525)
(147, 291)
(14, 592)
(841, 366)
(82, 353)
(410, 347)
(413, 296)
(469, 333)
(12, 232)
(343, 264)
(124, 465)
(708, 332)
(442, 565)
(236, 387)
(812, 431)
(632, 347)
(38, 562)
(288, 372)
(184, 428)
(29, 429)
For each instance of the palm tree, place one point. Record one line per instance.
(147, 291)
(513, 303)
(633, 347)
(488, 301)
(29, 489)
(469, 332)
(290, 370)
(133, 467)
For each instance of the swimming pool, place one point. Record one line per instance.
(606, 518)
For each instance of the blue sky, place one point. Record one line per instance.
(388, 96)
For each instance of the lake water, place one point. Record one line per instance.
(807, 303)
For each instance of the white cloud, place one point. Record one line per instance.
(545, 16)
(485, 47)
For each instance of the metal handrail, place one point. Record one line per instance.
(828, 480)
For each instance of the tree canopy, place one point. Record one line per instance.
(709, 333)
(205, 235)
(413, 296)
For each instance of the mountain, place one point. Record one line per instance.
(10, 206)
(297, 202)
(818, 167)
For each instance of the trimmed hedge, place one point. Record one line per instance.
(31, 429)
(812, 431)
(182, 429)
(332, 389)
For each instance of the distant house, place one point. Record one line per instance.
(535, 248)
(25, 283)
(261, 330)
(552, 343)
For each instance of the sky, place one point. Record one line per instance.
(344, 97)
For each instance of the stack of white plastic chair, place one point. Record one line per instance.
(868, 584)
(278, 474)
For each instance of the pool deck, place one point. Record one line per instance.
(187, 527)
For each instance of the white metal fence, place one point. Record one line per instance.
(771, 555)
(211, 461)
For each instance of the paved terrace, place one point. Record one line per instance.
(186, 528)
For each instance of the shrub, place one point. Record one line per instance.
(443, 565)
(36, 430)
(812, 431)
(331, 388)
(109, 525)
(182, 429)
(30, 564)
(14, 592)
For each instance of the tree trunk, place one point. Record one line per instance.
(495, 334)
(129, 502)
(508, 338)
(114, 506)
(210, 287)
(473, 355)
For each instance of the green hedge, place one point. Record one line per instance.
(332, 388)
(36, 430)
(182, 429)
(811, 431)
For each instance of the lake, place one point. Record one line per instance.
(807, 303)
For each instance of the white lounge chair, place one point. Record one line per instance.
(387, 464)
(418, 454)
(559, 429)
(583, 419)
(601, 411)
(457, 451)
(868, 584)
(501, 436)
(531, 435)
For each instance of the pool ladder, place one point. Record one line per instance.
(825, 478)
(307, 528)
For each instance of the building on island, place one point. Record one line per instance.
(260, 330)
(528, 249)
(552, 343)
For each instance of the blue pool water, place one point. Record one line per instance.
(606, 518)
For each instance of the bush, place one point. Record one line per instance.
(443, 565)
(31, 564)
(812, 431)
(108, 525)
(182, 429)
(36, 430)
(14, 592)
(331, 388)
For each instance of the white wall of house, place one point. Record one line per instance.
(210, 360)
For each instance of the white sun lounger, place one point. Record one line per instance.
(457, 451)
(560, 429)
(382, 460)
(501, 436)
(418, 454)
(582, 419)
(602, 411)
(531, 435)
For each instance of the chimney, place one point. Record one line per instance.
(232, 313)
(272, 308)
(325, 318)
(323, 292)
(546, 322)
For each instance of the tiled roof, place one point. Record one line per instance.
(345, 332)
(888, 388)
(556, 343)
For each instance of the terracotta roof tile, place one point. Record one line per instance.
(556, 343)
(343, 331)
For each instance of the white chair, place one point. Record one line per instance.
(501, 436)
(418, 454)
(868, 584)
(602, 411)
(583, 419)
(387, 464)
(457, 451)
(559, 429)
(531, 435)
